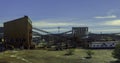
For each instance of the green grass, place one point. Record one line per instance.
(44, 56)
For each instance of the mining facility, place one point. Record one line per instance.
(20, 34)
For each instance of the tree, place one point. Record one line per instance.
(116, 52)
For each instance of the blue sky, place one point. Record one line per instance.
(98, 15)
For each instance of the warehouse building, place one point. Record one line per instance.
(18, 33)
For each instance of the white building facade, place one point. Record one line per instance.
(104, 44)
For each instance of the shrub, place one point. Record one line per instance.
(52, 48)
(70, 51)
(89, 53)
(42, 44)
(116, 52)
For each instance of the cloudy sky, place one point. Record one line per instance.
(98, 15)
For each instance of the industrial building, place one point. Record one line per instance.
(1, 29)
(1, 33)
(79, 34)
(103, 44)
(2, 48)
(79, 31)
(36, 37)
(18, 33)
(102, 40)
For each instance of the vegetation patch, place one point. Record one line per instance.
(45, 56)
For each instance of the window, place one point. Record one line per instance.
(113, 43)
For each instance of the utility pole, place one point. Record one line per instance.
(58, 29)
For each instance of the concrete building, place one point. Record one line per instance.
(79, 34)
(18, 33)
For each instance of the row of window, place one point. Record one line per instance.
(103, 45)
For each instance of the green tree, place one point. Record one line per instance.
(116, 52)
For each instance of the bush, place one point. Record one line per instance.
(52, 48)
(70, 51)
(116, 52)
(42, 44)
(89, 53)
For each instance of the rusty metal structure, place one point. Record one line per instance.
(18, 33)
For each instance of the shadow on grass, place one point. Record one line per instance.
(115, 61)
(88, 57)
(4, 61)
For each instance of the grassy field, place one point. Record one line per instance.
(44, 56)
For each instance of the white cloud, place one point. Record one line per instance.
(103, 17)
(113, 23)
(56, 30)
(1, 25)
(48, 24)
(94, 26)
(109, 30)
(55, 24)
(51, 26)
